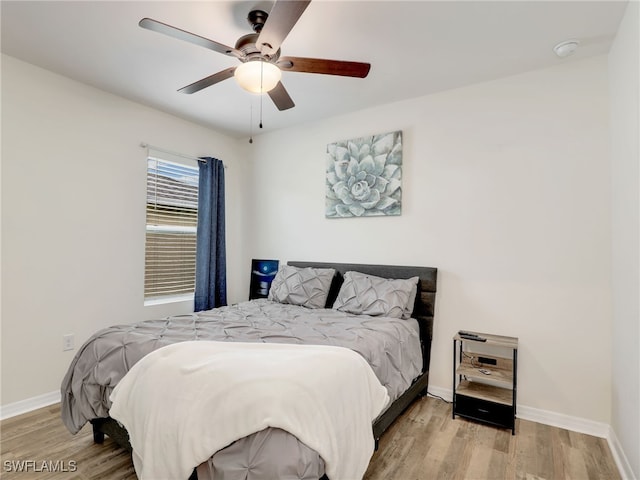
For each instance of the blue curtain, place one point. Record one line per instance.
(211, 258)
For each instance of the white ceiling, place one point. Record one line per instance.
(415, 48)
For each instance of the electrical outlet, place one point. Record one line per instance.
(67, 342)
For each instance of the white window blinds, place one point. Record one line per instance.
(172, 218)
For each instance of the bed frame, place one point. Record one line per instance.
(423, 311)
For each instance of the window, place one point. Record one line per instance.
(172, 218)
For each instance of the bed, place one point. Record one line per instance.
(109, 354)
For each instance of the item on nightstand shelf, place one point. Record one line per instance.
(481, 394)
(471, 336)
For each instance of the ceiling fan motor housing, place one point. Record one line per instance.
(247, 45)
(257, 19)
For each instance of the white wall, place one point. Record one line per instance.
(506, 190)
(624, 67)
(73, 183)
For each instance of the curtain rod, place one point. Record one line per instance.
(177, 154)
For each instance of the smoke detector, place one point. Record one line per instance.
(566, 48)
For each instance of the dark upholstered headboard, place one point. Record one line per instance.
(424, 307)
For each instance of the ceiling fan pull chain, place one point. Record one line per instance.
(251, 123)
(261, 90)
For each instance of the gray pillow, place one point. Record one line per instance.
(308, 286)
(363, 294)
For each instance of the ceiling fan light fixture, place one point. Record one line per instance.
(258, 76)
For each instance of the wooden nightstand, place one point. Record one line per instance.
(485, 379)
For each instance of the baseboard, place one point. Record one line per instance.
(624, 467)
(568, 422)
(560, 420)
(444, 393)
(25, 406)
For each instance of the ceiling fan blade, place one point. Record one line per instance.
(281, 97)
(282, 18)
(208, 81)
(327, 67)
(180, 34)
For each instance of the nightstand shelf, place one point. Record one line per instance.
(485, 379)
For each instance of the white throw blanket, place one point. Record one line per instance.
(184, 402)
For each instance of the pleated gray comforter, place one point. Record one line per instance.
(391, 346)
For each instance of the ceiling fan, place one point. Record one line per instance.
(260, 51)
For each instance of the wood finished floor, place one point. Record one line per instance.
(425, 443)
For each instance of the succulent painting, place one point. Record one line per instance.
(364, 176)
